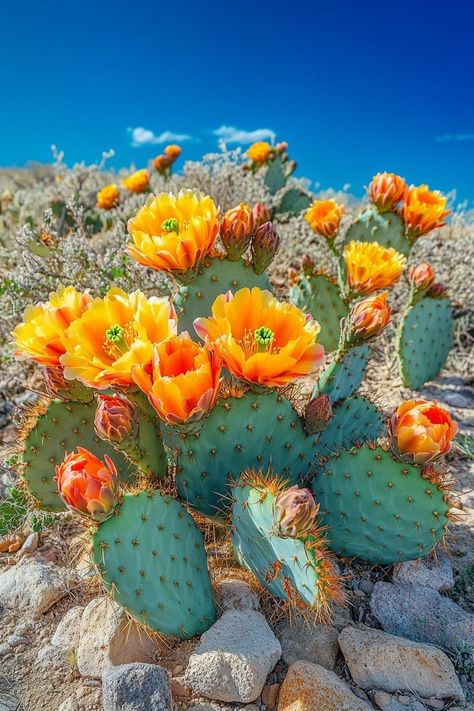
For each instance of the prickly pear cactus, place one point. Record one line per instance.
(294, 569)
(293, 202)
(151, 556)
(355, 420)
(252, 431)
(425, 338)
(217, 276)
(378, 508)
(343, 376)
(319, 295)
(387, 229)
(51, 429)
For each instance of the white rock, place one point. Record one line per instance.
(436, 573)
(31, 543)
(32, 587)
(52, 657)
(378, 660)
(108, 638)
(236, 595)
(233, 658)
(68, 631)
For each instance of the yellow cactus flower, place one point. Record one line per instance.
(260, 339)
(424, 210)
(137, 182)
(371, 267)
(40, 336)
(259, 152)
(172, 151)
(114, 334)
(108, 197)
(324, 217)
(174, 233)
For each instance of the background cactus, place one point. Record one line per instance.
(319, 295)
(387, 229)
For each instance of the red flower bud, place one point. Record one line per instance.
(265, 244)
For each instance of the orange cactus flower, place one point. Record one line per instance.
(324, 217)
(137, 182)
(421, 431)
(368, 317)
(183, 383)
(421, 276)
(174, 233)
(115, 418)
(162, 163)
(371, 267)
(262, 340)
(108, 197)
(113, 335)
(386, 190)
(259, 152)
(40, 336)
(424, 210)
(172, 151)
(88, 485)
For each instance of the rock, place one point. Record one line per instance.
(310, 687)
(31, 543)
(15, 640)
(107, 638)
(340, 617)
(32, 587)
(136, 687)
(302, 641)
(237, 595)
(270, 695)
(234, 657)
(67, 632)
(179, 688)
(378, 660)
(9, 701)
(203, 707)
(366, 586)
(382, 699)
(5, 649)
(431, 573)
(421, 614)
(456, 399)
(433, 703)
(52, 657)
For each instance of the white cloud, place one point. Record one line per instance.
(445, 138)
(143, 136)
(230, 134)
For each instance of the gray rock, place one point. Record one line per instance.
(366, 586)
(436, 573)
(136, 687)
(5, 649)
(32, 587)
(378, 660)
(52, 657)
(9, 701)
(233, 658)
(68, 631)
(302, 641)
(31, 543)
(16, 640)
(237, 595)
(421, 614)
(456, 399)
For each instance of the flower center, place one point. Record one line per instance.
(263, 338)
(119, 339)
(171, 224)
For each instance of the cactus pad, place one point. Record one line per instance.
(151, 556)
(53, 428)
(253, 431)
(293, 202)
(424, 340)
(355, 420)
(291, 568)
(319, 296)
(343, 376)
(387, 229)
(377, 508)
(217, 276)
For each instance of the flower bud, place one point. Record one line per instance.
(88, 485)
(162, 163)
(386, 190)
(281, 147)
(114, 418)
(307, 263)
(421, 276)
(260, 214)
(236, 230)
(367, 319)
(421, 431)
(317, 414)
(172, 151)
(438, 291)
(265, 244)
(294, 513)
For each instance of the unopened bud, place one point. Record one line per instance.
(366, 319)
(236, 230)
(265, 244)
(317, 414)
(115, 418)
(307, 263)
(260, 214)
(294, 513)
(421, 276)
(438, 291)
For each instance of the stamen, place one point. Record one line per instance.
(263, 338)
(119, 339)
(171, 224)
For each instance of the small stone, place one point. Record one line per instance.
(9, 701)
(236, 595)
(382, 699)
(178, 669)
(16, 640)
(270, 695)
(456, 399)
(93, 683)
(32, 587)
(15, 546)
(366, 586)
(136, 687)
(340, 617)
(31, 543)
(53, 657)
(68, 630)
(302, 641)
(5, 649)
(378, 660)
(433, 703)
(179, 688)
(429, 572)
(69, 704)
(310, 687)
(234, 658)
(203, 707)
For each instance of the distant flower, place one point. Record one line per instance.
(162, 164)
(172, 151)
(137, 182)
(259, 152)
(108, 197)
(386, 190)
(421, 276)
(422, 431)
(371, 267)
(424, 210)
(324, 217)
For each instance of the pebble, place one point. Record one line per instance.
(31, 543)
(16, 640)
(366, 586)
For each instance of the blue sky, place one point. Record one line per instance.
(354, 87)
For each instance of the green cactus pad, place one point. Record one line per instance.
(254, 431)
(343, 376)
(289, 568)
(425, 338)
(293, 202)
(60, 427)
(356, 420)
(377, 508)
(319, 296)
(387, 229)
(276, 175)
(216, 277)
(151, 556)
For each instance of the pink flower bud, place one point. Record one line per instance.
(294, 513)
